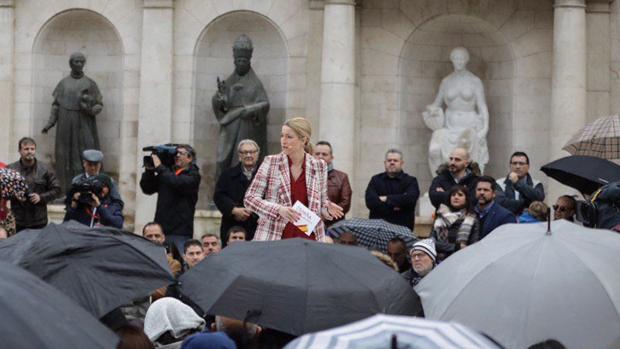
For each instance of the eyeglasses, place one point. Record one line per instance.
(560, 208)
(418, 255)
(248, 152)
(182, 153)
(518, 163)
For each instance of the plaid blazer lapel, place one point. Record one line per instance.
(311, 184)
(285, 179)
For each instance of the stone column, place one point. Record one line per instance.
(7, 54)
(155, 108)
(568, 95)
(337, 111)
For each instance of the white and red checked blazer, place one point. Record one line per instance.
(271, 188)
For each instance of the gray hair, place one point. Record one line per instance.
(211, 234)
(248, 141)
(394, 151)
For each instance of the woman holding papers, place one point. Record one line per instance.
(287, 178)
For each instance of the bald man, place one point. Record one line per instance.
(457, 172)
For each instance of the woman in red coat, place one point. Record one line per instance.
(282, 179)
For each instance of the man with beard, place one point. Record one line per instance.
(240, 106)
(43, 188)
(423, 259)
(490, 214)
(458, 172)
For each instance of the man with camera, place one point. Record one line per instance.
(43, 187)
(92, 162)
(177, 187)
(92, 204)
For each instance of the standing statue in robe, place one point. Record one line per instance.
(77, 101)
(465, 122)
(241, 106)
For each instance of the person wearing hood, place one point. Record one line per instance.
(457, 172)
(169, 321)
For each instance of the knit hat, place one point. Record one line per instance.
(427, 246)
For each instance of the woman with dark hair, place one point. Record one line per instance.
(455, 226)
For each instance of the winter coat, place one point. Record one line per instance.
(402, 194)
(41, 180)
(517, 197)
(176, 199)
(445, 180)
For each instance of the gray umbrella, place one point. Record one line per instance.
(297, 286)
(36, 315)
(522, 286)
(373, 233)
(99, 268)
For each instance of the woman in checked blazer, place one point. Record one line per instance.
(282, 179)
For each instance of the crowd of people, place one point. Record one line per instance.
(256, 204)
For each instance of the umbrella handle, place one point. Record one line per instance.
(92, 219)
(394, 342)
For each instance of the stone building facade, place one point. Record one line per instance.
(362, 71)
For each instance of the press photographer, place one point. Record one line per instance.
(92, 205)
(177, 187)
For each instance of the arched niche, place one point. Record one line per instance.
(425, 61)
(92, 34)
(213, 57)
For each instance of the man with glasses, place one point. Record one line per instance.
(518, 190)
(423, 259)
(230, 190)
(177, 189)
(565, 208)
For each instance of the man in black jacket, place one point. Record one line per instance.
(518, 190)
(230, 190)
(43, 187)
(458, 172)
(177, 190)
(393, 194)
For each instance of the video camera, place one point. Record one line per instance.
(165, 152)
(86, 187)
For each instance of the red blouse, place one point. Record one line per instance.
(298, 193)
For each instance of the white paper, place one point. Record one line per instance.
(308, 220)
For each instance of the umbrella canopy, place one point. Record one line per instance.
(373, 233)
(584, 173)
(99, 268)
(600, 138)
(297, 286)
(522, 286)
(12, 185)
(376, 332)
(36, 315)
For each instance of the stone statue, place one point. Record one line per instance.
(77, 101)
(465, 122)
(241, 106)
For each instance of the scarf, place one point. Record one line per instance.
(448, 220)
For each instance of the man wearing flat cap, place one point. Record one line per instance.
(77, 101)
(96, 208)
(92, 163)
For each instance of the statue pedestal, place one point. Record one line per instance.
(424, 221)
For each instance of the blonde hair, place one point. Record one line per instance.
(303, 129)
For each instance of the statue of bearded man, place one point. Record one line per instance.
(240, 106)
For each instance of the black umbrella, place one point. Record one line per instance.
(99, 268)
(36, 315)
(297, 286)
(584, 173)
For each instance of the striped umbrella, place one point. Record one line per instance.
(600, 138)
(390, 331)
(373, 233)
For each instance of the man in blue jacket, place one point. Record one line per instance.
(392, 195)
(490, 214)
